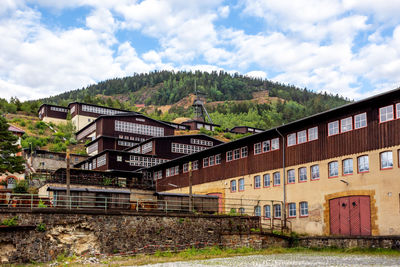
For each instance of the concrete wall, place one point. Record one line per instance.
(54, 120)
(80, 121)
(97, 232)
(382, 186)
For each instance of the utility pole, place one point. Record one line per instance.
(190, 188)
(68, 178)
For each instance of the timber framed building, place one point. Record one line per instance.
(338, 171)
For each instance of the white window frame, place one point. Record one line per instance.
(291, 139)
(275, 144)
(346, 124)
(333, 128)
(244, 152)
(360, 120)
(302, 174)
(313, 133)
(314, 173)
(277, 211)
(241, 184)
(257, 181)
(257, 211)
(398, 111)
(302, 137)
(291, 176)
(229, 156)
(385, 115)
(292, 210)
(233, 186)
(236, 154)
(330, 165)
(303, 209)
(348, 166)
(267, 180)
(386, 160)
(217, 159)
(363, 164)
(257, 148)
(277, 178)
(267, 211)
(266, 146)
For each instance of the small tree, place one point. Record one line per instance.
(9, 162)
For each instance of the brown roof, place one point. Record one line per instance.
(15, 129)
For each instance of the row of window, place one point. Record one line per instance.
(302, 136)
(133, 138)
(387, 113)
(201, 142)
(93, 147)
(131, 127)
(212, 160)
(277, 210)
(237, 154)
(144, 161)
(186, 149)
(346, 124)
(59, 109)
(172, 171)
(125, 143)
(265, 146)
(87, 131)
(148, 147)
(99, 110)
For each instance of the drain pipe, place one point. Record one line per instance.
(284, 178)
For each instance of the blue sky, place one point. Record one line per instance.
(346, 47)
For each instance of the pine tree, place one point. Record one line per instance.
(9, 163)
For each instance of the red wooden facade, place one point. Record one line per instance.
(53, 111)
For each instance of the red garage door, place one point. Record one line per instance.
(350, 215)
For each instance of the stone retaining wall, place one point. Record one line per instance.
(95, 232)
(388, 242)
(254, 240)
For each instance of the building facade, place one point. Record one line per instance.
(336, 172)
(52, 113)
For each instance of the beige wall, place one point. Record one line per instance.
(80, 121)
(383, 187)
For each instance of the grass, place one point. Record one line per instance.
(217, 252)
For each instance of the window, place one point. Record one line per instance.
(277, 179)
(195, 165)
(233, 186)
(257, 211)
(275, 144)
(186, 167)
(267, 212)
(303, 209)
(314, 172)
(130, 127)
(333, 128)
(386, 160)
(313, 134)
(236, 154)
(363, 164)
(398, 111)
(212, 161)
(347, 166)
(229, 156)
(241, 184)
(244, 151)
(119, 158)
(291, 177)
(157, 175)
(217, 159)
(185, 149)
(360, 121)
(291, 139)
(257, 181)
(292, 210)
(257, 148)
(101, 161)
(346, 124)
(267, 180)
(205, 162)
(277, 210)
(301, 137)
(241, 210)
(386, 113)
(333, 169)
(266, 146)
(303, 174)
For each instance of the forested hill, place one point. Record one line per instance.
(234, 93)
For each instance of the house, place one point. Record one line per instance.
(245, 129)
(53, 113)
(336, 172)
(82, 113)
(198, 124)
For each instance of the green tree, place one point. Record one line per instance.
(9, 163)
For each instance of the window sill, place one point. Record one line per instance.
(302, 181)
(363, 172)
(347, 174)
(333, 177)
(257, 187)
(291, 183)
(277, 185)
(303, 216)
(316, 179)
(384, 169)
(267, 186)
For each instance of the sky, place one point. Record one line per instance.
(345, 47)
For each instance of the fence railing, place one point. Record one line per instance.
(143, 202)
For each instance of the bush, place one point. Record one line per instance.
(41, 227)
(21, 187)
(10, 222)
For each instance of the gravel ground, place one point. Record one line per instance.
(296, 259)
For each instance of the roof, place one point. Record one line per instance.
(183, 195)
(81, 103)
(201, 122)
(50, 105)
(15, 129)
(243, 126)
(90, 190)
(173, 137)
(278, 129)
(123, 115)
(42, 151)
(108, 137)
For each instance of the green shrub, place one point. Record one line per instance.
(41, 227)
(21, 187)
(10, 222)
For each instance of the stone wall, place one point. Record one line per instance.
(95, 232)
(388, 242)
(254, 240)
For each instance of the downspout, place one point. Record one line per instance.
(284, 178)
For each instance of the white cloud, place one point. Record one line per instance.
(257, 74)
(224, 11)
